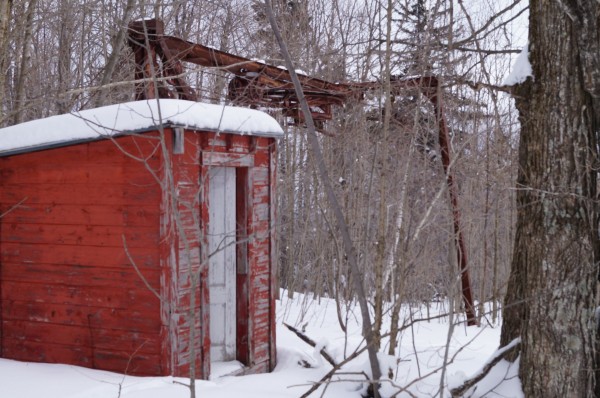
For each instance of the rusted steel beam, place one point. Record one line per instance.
(146, 39)
(259, 84)
(143, 68)
(173, 69)
(239, 66)
(256, 83)
(430, 87)
(461, 251)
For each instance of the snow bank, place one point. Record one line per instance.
(416, 367)
(521, 69)
(133, 117)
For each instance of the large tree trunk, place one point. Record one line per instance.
(552, 288)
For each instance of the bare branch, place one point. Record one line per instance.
(13, 207)
(311, 343)
(500, 355)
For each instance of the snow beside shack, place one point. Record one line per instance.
(134, 117)
(417, 367)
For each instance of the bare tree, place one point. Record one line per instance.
(24, 67)
(349, 248)
(5, 17)
(381, 153)
(117, 47)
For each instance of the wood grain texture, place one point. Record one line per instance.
(68, 289)
(97, 214)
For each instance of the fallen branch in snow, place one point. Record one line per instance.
(311, 342)
(332, 372)
(404, 389)
(502, 353)
(336, 368)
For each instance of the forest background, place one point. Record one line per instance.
(60, 56)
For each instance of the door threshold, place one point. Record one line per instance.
(226, 368)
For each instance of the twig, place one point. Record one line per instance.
(13, 207)
(330, 374)
(434, 371)
(356, 353)
(349, 248)
(500, 355)
(127, 367)
(142, 277)
(311, 343)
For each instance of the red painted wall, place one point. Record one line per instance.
(68, 290)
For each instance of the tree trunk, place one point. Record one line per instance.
(65, 48)
(552, 288)
(5, 14)
(117, 47)
(350, 250)
(23, 68)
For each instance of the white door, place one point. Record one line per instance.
(221, 271)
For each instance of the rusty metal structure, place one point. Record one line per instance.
(256, 84)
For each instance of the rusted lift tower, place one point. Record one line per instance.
(256, 84)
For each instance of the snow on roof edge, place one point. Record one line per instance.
(133, 118)
(521, 68)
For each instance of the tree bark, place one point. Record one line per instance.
(5, 14)
(23, 68)
(118, 45)
(65, 44)
(551, 294)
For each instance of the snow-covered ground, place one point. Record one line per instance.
(417, 366)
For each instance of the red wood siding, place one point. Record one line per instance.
(180, 260)
(69, 292)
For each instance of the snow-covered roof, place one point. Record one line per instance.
(134, 117)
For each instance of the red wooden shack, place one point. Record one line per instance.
(107, 216)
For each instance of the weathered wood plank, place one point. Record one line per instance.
(214, 141)
(260, 176)
(124, 277)
(261, 193)
(90, 256)
(86, 173)
(273, 268)
(80, 194)
(261, 158)
(145, 146)
(129, 363)
(227, 159)
(130, 319)
(93, 335)
(46, 352)
(86, 235)
(122, 362)
(143, 214)
(239, 143)
(262, 142)
(141, 299)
